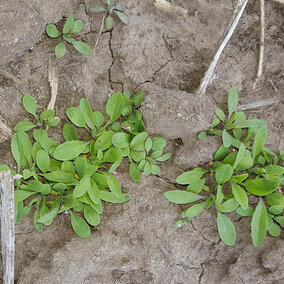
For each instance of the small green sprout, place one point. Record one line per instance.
(110, 10)
(70, 27)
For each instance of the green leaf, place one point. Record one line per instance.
(275, 199)
(115, 165)
(109, 197)
(104, 141)
(98, 119)
(112, 155)
(239, 178)
(279, 219)
(202, 135)
(221, 153)
(29, 104)
(245, 213)
(181, 197)
(276, 209)
(228, 206)
(69, 25)
(122, 17)
(24, 126)
(70, 150)
(52, 122)
(165, 157)
(76, 116)
(215, 122)
(43, 160)
(16, 151)
(109, 23)
(148, 144)
(25, 145)
(78, 26)
(240, 156)
(138, 99)
(249, 123)
(194, 210)
(226, 229)
(274, 170)
(259, 141)
(92, 217)
(240, 195)
(134, 172)
(159, 143)
(60, 50)
(232, 101)
(38, 226)
(52, 214)
(220, 114)
(39, 187)
(259, 224)
(20, 195)
(87, 112)
(52, 31)
(47, 114)
(69, 132)
(114, 107)
(197, 186)
(82, 47)
(223, 174)
(82, 187)
(80, 227)
(96, 9)
(59, 176)
(226, 138)
(275, 230)
(120, 140)
(114, 185)
(138, 142)
(190, 176)
(260, 186)
(120, 7)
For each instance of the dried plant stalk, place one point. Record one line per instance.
(170, 8)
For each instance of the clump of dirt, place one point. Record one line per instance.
(166, 56)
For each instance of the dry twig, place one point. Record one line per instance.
(10, 76)
(279, 1)
(170, 8)
(53, 81)
(5, 131)
(7, 226)
(261, 44)
(100, 33)
(230, 30)
(258, 104)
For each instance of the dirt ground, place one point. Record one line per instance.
(166, 56)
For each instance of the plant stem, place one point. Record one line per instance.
(86, 6)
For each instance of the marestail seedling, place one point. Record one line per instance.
(110, 10)
(244, 177)
(70, 27)
(77, 176)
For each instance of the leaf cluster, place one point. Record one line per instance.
(110, 10)
(244, 177)
(70, 28)
(77, 176)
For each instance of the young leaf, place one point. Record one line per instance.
(120, 7)
(227, 140)
(138, 142)
(29, 104)
(78, 26)
(69, 150)
(109, 22)
(202, 135)
(194, 210)
(114, 107)
(181, 197)
(275, 199)
(159, 143)
(148, 144)
(221, 153)
(259, 224)
(259, 141)
(82, 187)
(104, 141)
(47, 114)
(24, 126)
(228, 206)
(240, 195)
(92, 217)
(82, 47)
(220, 114)
(98, 119)
(223, 174)
(59, 176)
(109, 197)
(76, 116)
(96, 9)
(245, 213)
(120, 140)
(114, 185)
(69, 25)
(240, 155)
(60, 50)
(274, 230)
(80, 227)
(112, 155)
(260, 186)
(122, 17)
(134, 172)
(191, 176)
(165, 157)
(52, 31)
(43, 160)
(69, 132)
(37, 225)
(232, 101)
(16, 151)
(226, 229)
(20, 195)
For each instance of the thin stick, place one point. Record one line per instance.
(231, 28)
(7, 226)
(10, 76)
(53, 81)
(261, 47)
(100, 33)
(258, 104)
(170, 8)
(5, 131)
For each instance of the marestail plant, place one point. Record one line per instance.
(71, 27)
(245, 177)
(76, 177)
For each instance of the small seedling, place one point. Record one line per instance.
(110, 10)
(244, 177)
(77, 176)
(70, 27)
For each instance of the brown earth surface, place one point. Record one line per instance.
(165, 56)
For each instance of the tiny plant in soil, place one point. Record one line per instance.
(70, 27)
(76, 177)
(110, 10)
(244, 177)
